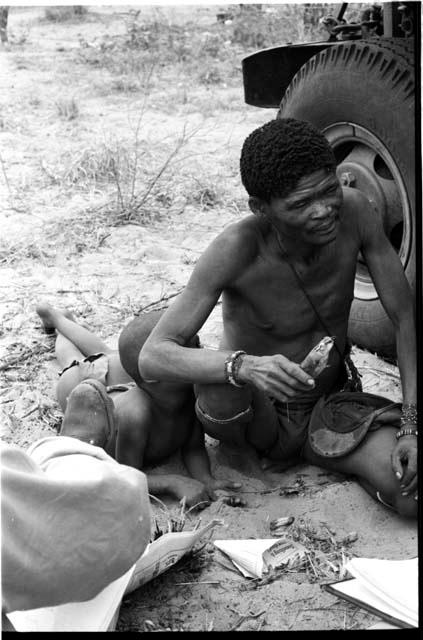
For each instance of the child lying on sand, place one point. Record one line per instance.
(154, 420)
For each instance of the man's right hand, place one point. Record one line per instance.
(276, 376)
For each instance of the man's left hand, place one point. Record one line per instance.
(404, 464)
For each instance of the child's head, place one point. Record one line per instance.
(133, 337)
(277, 155)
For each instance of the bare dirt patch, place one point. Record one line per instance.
(71, 130)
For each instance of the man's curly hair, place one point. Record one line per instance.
(278, 154)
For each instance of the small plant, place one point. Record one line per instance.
(98, 165)
(67, 108)
(210, 76)
(63, 14)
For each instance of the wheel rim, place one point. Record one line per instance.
(363, 162)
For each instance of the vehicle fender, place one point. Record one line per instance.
(268, 72)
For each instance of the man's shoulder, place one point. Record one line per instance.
(355, 202)
(358, 213)
(238, 239)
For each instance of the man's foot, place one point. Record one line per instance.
(275, 466)
(89, 414)
(243, 459)
(49, 315)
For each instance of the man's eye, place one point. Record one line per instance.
(300, 204)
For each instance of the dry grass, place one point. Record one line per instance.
(66, 13)
(324, 559)
(67, 108)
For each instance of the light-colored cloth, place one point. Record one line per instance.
(73, 520)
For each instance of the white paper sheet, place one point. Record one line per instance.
(395, 581)
(254, 557)
(101, 613)
(165, 552)
(355, 589)
(98, 614)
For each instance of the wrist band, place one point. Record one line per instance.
(406, 432)
(409, 415)
(232, 368)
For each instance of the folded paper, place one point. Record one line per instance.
(253, 558)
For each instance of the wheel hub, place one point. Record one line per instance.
(364, 163)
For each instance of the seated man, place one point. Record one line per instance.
(153, 421)
(286, 277)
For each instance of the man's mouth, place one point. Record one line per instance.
(326, 227)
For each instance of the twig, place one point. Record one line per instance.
(6, 179)
(245, 616)
(15, 359)
(151, 304)
(295, 619)
(28, 413)
(178, 584)
(260, 624)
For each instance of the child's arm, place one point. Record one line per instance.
(177, 486)
(197, 462)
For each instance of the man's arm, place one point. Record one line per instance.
(164, 355)
(395, 295)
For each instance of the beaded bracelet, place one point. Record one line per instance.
(231, 368)
(406, 432)
(409, 415)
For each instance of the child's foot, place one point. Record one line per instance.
(49, 315)
(89, 414)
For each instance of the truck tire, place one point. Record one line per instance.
(361, 95)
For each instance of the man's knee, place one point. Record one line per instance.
(221, 401)
(221, 412)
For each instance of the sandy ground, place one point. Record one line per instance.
(49, 250)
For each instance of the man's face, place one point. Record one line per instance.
(310, 212)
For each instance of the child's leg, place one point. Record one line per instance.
(86, 341)
(133, 416)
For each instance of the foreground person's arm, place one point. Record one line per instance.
(73, 520)
(395, 294)
(164, 356)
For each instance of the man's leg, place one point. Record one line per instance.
(371, 463)
(243, 420)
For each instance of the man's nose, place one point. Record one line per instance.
(321, 210)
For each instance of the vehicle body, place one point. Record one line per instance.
(359, 88)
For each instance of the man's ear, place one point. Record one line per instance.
(257, 206)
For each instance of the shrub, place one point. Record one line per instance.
(62, 14)
(67, 108)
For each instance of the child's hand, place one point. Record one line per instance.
(194, 491)
(213, 485)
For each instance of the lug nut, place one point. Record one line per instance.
(347, 179)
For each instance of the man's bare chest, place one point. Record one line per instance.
(277, 295)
